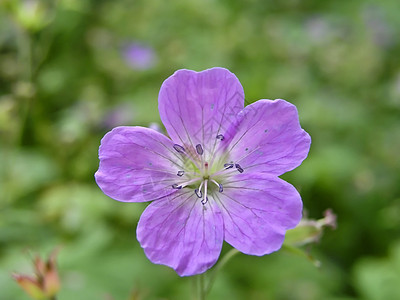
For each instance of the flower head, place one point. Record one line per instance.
(214, 178)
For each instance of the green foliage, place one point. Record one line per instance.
(64, 82)
(379, 278)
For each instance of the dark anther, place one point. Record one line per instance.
(220, 137)
(199, 149)
(198, 193)
(179, 148)
(204, 201)
(180, 173)
(221, 188)
(239, 168)
(228, 166)
(176, 186)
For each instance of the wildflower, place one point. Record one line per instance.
(214, 178)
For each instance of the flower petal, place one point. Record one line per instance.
(267, 137)
(196, 107)
(257, 210)
(180, 232)
(137, 164)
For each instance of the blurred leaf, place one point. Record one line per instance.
(379, 278)
(32, 15)
(75, 206)
(29, 169)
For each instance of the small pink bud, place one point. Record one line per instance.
(310, 230)
(51, 279)
(31, 286)
(46, 282)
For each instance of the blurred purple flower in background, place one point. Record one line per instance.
(318, 29)
(214, 178)
(121, 114)
(139, 56)
(378, 26)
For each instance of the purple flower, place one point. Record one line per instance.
(139, 56)
(118, 115)
(214, 178)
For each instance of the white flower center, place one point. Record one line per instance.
(198, 173)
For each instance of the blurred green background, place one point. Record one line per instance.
(71, 70)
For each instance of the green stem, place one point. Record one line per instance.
(24, 41)
(218, 267)
(25, 53)
(194, 288)
(201, 287)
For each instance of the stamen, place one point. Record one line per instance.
(180, 173)
(220, 137)
(184, 184)
(224, 170)
(199, 149)
(228, 166)
(198, 193)
(205, 199)
(239, 168)
(176, 186)
(201, 185)
(179, 148)
(220, 187)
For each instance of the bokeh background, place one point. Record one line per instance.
(71, 70)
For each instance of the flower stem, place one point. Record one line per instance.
(201, 287)
(25, 60)
(218, 267)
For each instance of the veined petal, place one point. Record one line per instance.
(196, 107)
(257, 210)
(180, 232)
(137, 164)
(267, 137)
